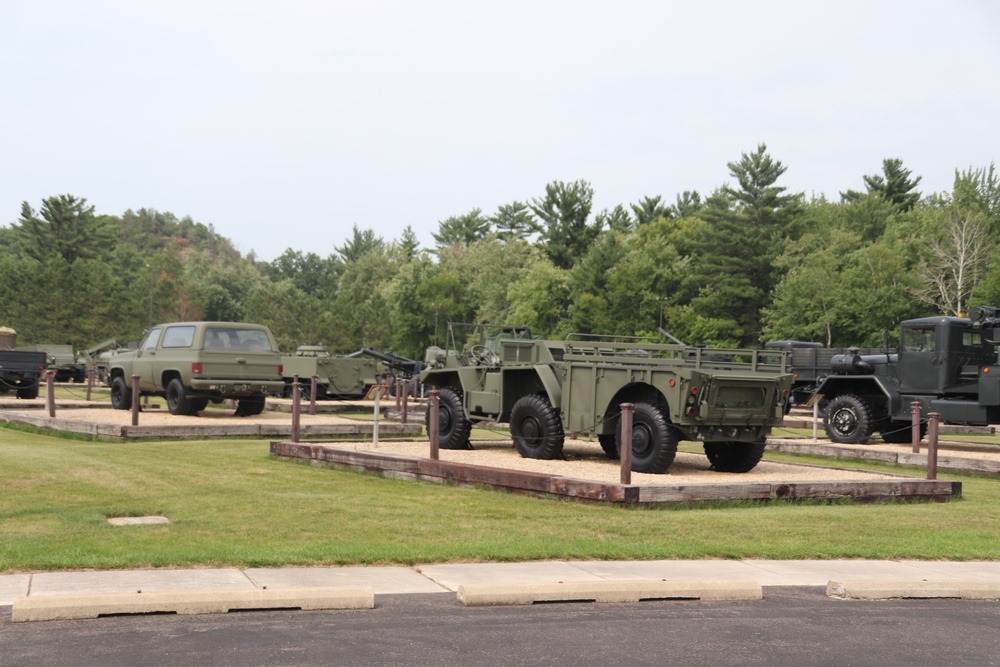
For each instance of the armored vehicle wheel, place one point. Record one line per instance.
(607, 441)
(198, 404)
(121, 394)
(734, 456)
(900, 432)
(453, 427)
(654, 440)
(536, 429)
(848, 420)
(250, 406)
(178, 401)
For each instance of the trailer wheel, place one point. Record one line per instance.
(654, 439)
(536, 429)
(178, 401)
(250, 406)
(733, 456)
(453, 427)
(121, 394)
(848, 420)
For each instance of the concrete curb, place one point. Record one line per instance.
(481, 595)
(67, 607)
(899, 589)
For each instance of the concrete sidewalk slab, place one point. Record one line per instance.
(383, 580)
(635, 590)
(452, 575)
(820, 572)
(13, 586)
(130, 581)
(670, 569)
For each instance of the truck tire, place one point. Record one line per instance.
(453, 427)
(121, 394)
(608, 444)
(250, 406)
(29, 392)
(198, 404)
(536, 429)
(178, 400)
(848, 420)
(901, 432)
(654, 439)
(733, 456)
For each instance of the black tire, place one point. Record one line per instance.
(733, 456)
(453, 427)
(250, 406)
(121, 394)
(654, 439)
(536, 429)
(848, 420)
(28, 392)
(901, 432)
(178, 400)
(198, 404)
(608, 444)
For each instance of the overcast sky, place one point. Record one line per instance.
(285, 123)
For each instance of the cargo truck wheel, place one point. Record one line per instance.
(178, 401)
(608, 444)
(654, 440)
(29, 392)
(900, 432)
(121, 394)
(536, 429)
(453, 427)
(848, 420)
(734, 456)
(250, 406)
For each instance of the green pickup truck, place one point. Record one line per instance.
(194, 363)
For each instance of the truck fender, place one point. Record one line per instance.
(836, 385)
(551, 384)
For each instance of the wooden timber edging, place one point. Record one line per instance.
(188, 431)
(945, 462)
(539, 484)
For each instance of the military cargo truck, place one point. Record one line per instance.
(20, 370)
(545, 389)
(336, 377)
(810, 363)
(947, 364)
(194, 363)
(62, 360)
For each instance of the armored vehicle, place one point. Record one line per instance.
(20, 370)
(193, 363)
(336, 377)
(546, 389)
(947, 364)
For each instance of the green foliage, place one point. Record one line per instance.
(360, 244)
(894, 185)
(514, 221)
(462, 230)
(65, 227)
(563, 212)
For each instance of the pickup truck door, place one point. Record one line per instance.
(144, 358)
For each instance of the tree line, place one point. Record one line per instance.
(744, 264)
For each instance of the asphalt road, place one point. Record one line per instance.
(791, 625)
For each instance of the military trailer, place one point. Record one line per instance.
(545, 389)
(946, 364)
(336, 377)
(20, 370)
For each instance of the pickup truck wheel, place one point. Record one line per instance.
(734, 456)
(198, 404)
(536, 429)
(654, 439)
(453, 427)
(121, 394)
(178, 401)
(248, 407)
(848, 420)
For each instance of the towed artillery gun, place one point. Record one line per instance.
(946, 364)
(336, 377)
(545, 389)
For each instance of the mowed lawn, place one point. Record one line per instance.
(231, 504)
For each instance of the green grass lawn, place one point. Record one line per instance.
(230, 503)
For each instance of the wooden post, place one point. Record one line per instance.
(433, 422)
(378, 413)
(90, 382)
(135, 400)
(398, 383)
(626, 440)
(50, 392)
(915, 420)
(406, 398)
(312, 395)
(296, 394)
(932, 442)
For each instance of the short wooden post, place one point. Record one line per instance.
(50, 392)
(406, 398)
(398, 383)
(816, 422)
(915, 420)
(135, 400)
(378, 413)
(312, 395)
(626, 440)
(932, 443)
(90, 382)
(434, 423)
(296, 394)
